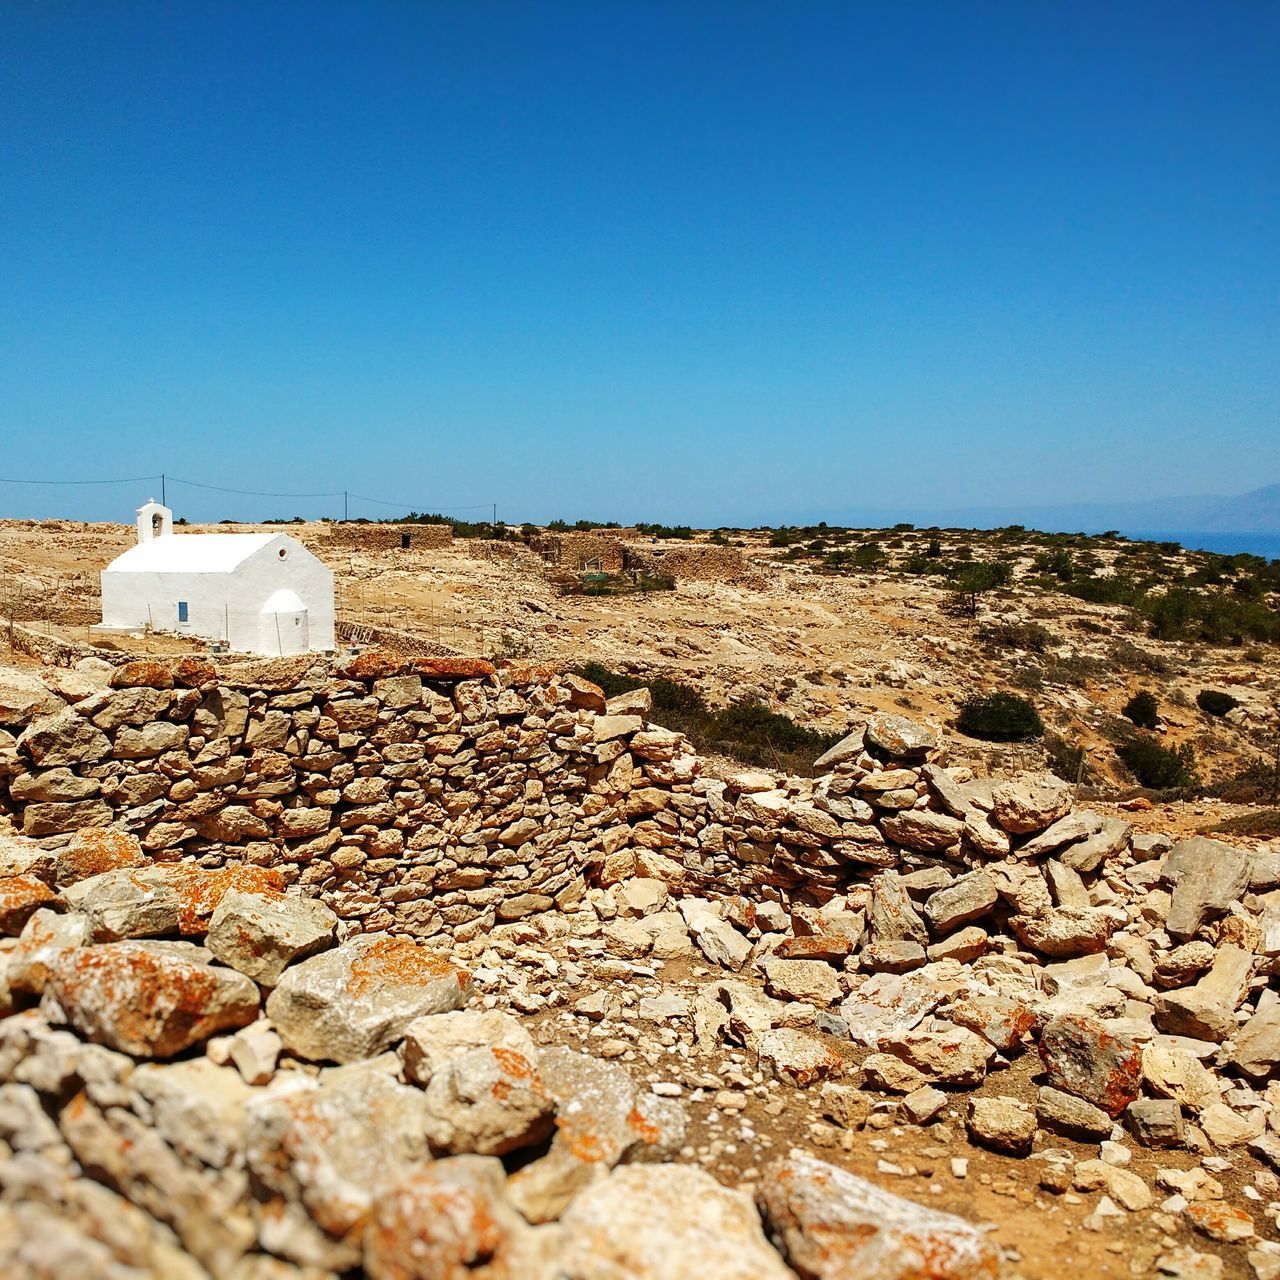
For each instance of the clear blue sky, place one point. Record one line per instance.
(693, 261)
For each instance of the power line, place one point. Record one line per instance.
(126, 480)
(250, 493)
(413, 506)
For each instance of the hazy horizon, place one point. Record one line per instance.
(696, 264)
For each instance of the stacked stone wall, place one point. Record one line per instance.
(387, 537)
(575, 551)
(699, 562)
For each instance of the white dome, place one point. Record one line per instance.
(284, 601)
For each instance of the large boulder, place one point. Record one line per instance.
(1031, 804)
(1086, 1057)
(665, 1222)
(259, 934)
(23, 698)
(149, 999)
(20, 898)
(832, 1225)
(602, 1118)
(320, 1153)
(63, 738)
(451, 1220)
(432, 1041)
(95, 850)
(359, 998)
(1207, 876)
(899, 737)
(487, 1101)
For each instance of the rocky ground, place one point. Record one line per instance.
(1066, 1043)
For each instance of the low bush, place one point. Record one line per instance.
(1028, 636)
(1160, 768)
(1215, 703)
(999, 717)
(1143, 710)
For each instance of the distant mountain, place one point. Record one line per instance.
(1254, 512)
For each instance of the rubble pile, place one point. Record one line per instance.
(270, 1051)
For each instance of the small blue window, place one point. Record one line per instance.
(182, 611)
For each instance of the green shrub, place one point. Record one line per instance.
(999, 717)
(1029, 636)
(1215, 703)
(1160, 768)
(1143, 710)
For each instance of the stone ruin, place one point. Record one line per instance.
(383, 537)
(429, 872)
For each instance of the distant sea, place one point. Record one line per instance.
(1266, 545)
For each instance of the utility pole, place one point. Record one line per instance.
(495, 515)
(344, 506)
(163, 501)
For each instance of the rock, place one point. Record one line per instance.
(638, 702)
(1030, 804)
(891, 916)
(357, 999)
(1022, 887)
(20, 898)
(1072, 1117)
(431, 1041)
(321, 1151)
(1156, 1122)
(1122, 1185)
(1207, 876)
(799, 1057)
(142, 998)
(1221, 1222)
(717, 939)
(1207, 1010)
(1078, 825)
(1227, 1128)
(945, 1053)
(128, 903)
(62, 739)
(966, 899)
(1068, 931)
(1005, 1124)
(892, 1075)
(888, 1004)
(24, 698)
(1257, 1044)
(53, 784)
(831, 1225)
(254, 1052)
(44, 939)
(259, 934)
(53, 819)
(848, 749)
(923, 830)
(664, 1222)
(196, 1107)
(946, 790)
(899, 737)
(601, 1119)
(1089, 854)
(96, 850)
(486, 1101)
(143, 673)
(999, 1019)
(1084, 1057)
(1175, 1073)
(985, 835)
(893, 957)
(812, 980)
(641, 896)
(451, 1221)
(923, 1104)
(207, 1214)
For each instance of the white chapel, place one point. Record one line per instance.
(257, 592)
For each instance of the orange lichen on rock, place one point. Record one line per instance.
(94, 850)
(373, 664)
(199, 891)
(399, 961)
(452, 668)
(20, 898)
(145, 673)
(194, 673)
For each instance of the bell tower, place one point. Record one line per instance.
(154, 521)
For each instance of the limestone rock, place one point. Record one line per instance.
(1030, 804)
(1208, 876)
(800, 1057)
(20, 898)
(359, 998)
(601, 1119)
(899, 737)
(487, 1101)
(966, 899)
(259, 934)
(832, 1225)
(923, 830)
(63, 738)
(812, 980)
(23, 698)
(93, 851)
(144, 999)
(1003, 1123)
(1085, 1057)
(321, 1151)
(431, 1041)
(451, 1221)
(665, 1222)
